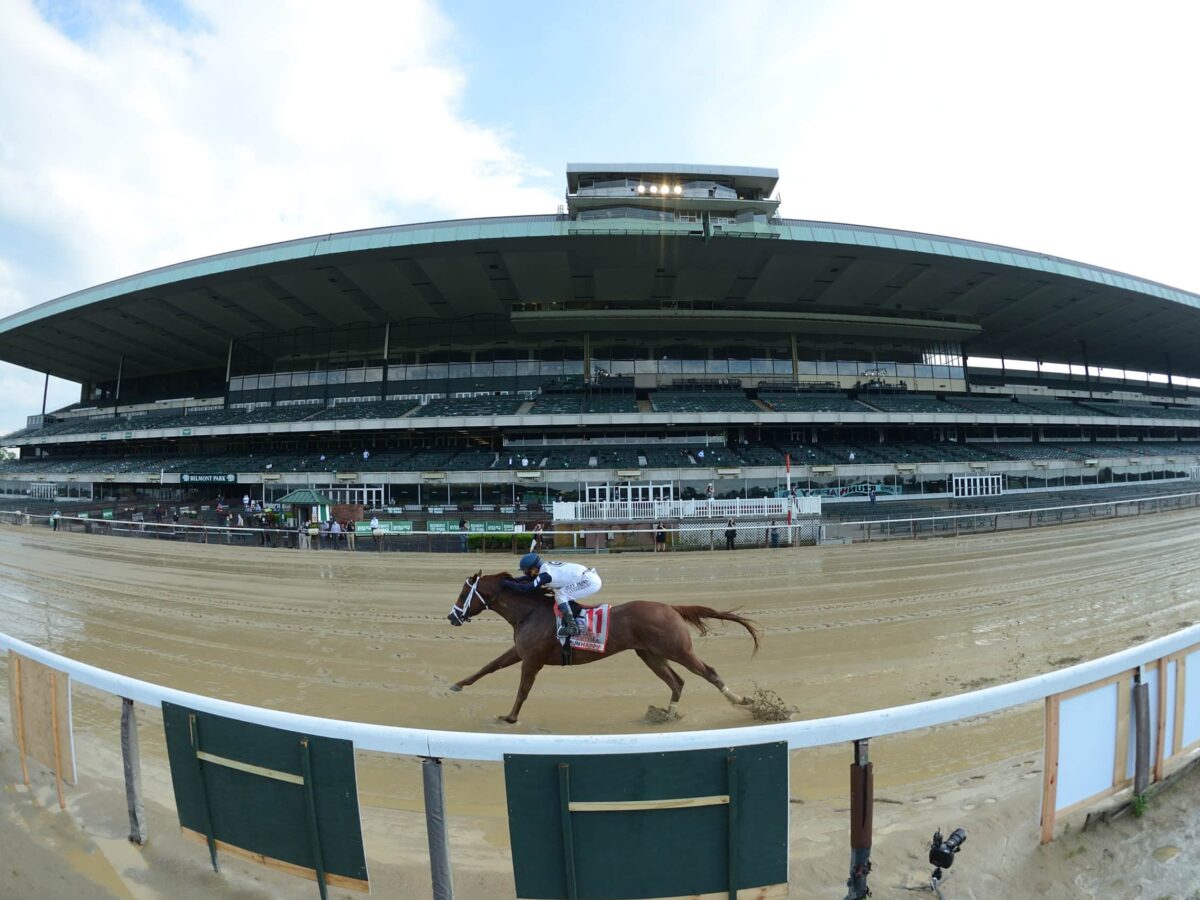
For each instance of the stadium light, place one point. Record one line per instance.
(678, 189)
(654, 188)
(641, 189)
(666, 189)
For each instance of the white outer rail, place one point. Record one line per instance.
(473, 746)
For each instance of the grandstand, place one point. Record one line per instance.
(667, 330)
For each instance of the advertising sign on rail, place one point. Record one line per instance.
(287, 799)
(640, 825)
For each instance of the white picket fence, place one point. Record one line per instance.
(656, 510)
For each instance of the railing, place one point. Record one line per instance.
(647, 510)
(407, 741)
(1155, 661)
(884, 529)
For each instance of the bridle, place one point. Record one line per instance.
(459, 614)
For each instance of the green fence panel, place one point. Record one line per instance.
(642, 825)
(286, 796)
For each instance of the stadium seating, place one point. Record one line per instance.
(471, 406)
(1059, 408)
(388, 409)
(812, 403)
(700, 402)
(993, 406)
(1130, 410)
(908, 403)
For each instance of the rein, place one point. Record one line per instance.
(460, 611)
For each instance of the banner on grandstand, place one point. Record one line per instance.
(283, 798)
(207, 478)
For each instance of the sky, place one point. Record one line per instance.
(135, 134)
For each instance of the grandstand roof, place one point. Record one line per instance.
(550, 272)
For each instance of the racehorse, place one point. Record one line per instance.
(657, 632)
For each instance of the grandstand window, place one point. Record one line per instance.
(761, 366)
(693, 366)
(435, 370)
(506, 368)
(826, 368)
(717, 366)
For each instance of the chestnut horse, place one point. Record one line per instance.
(657, 632)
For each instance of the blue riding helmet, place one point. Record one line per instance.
(529, 561)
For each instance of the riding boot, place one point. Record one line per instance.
(567, 626)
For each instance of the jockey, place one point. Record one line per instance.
(568, 581)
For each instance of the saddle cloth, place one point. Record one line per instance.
(593, 628)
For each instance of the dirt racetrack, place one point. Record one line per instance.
(365, 637)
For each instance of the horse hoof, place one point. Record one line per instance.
(506, 720)
(456, 688)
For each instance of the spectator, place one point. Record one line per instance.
(660, 537)
(376, 531)
(323, 535)
(302, 538)
(524, 462)
(774, 533)
(851, 456)
(700, 453)
(462, 535)
(536, 544)
(366, 455)
(245, 501)
(730, 535)
(54, 517)
(335, 534)
(709, 492)
(871, 494)
(348, 529)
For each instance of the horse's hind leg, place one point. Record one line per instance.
(503, 661)
(660, 667)
(690, 661)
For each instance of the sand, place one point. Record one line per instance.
(365, 637)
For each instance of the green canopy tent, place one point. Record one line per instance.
(307, 505)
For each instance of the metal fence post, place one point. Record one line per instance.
(862, 798)
(133, 772)
(435, 826)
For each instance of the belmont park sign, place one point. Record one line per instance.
(207, 478)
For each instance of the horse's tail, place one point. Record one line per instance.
(695, 616)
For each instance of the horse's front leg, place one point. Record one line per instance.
(503, 661)
(529, 671)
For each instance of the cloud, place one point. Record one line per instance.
(137, 142)
(1057, 128)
